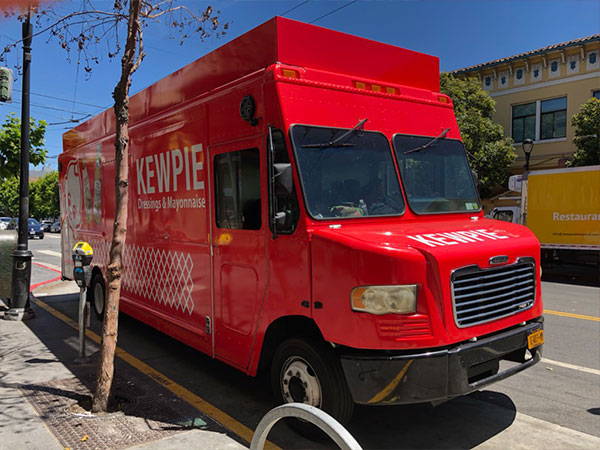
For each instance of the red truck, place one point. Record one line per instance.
(300, 203)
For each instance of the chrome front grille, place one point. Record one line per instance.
(483, 295)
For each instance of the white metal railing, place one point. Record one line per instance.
(316, 416)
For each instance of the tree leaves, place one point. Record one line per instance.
(9, 197)
(586, 127)
(43, 197)
(490, 154)
(10, 145)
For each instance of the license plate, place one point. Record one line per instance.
(535, 339)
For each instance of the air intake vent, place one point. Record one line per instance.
(484, 295)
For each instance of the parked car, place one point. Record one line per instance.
(46, 224)
(4, 221)
(35, 229)
(55, 227)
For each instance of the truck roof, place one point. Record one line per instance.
(279, 40)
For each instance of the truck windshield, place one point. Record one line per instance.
(352, 177)
(436, 174)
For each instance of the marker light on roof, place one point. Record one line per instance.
(375, 87)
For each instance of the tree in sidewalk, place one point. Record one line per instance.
(43, 196)
(586, 126)
(80, 31)
(490, 154)
(10, 145)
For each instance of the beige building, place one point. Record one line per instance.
(538, 92)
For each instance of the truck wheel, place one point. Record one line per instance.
(308, 371)
(97, 295)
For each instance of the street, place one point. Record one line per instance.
(46, 258)
(556, 404)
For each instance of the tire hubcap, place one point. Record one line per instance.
(299, 382)
(98, 298)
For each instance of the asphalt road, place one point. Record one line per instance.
(537, 408)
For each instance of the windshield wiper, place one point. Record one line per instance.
(334, 142)
(428, 144)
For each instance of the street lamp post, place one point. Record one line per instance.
(21, 271)
(527, 148)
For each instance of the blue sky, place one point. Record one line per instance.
(459, 32)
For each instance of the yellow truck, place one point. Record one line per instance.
(562, 207)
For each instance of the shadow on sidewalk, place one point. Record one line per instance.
(140, 410)
(461, 423)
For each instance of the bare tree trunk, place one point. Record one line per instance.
(129, 63)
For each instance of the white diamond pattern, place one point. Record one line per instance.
(161, 276)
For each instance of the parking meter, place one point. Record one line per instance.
(82, 273)
(82, 258)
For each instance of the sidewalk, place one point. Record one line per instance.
(45, 394)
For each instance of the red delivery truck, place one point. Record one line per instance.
(300, 203)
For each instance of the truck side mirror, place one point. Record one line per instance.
(283, 206)
(283, 176)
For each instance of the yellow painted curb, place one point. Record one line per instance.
(186, 395)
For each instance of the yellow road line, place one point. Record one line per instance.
(194, 400)
(574, 316)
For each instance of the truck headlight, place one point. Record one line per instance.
(401, 299)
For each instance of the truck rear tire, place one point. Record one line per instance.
(97, 295)
(308, 371)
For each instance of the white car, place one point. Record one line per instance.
(4, 221)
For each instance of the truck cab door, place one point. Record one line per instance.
(239, 234)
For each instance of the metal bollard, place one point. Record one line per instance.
(320, 418)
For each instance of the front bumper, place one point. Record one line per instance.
(438, 374)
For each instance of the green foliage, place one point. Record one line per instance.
(43, 197)
(490, 153)
(9, 197)
(586, 126)
(10, 145)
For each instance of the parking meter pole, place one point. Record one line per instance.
(21, 271)
(82, 322)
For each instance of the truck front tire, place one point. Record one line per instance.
(308, 371)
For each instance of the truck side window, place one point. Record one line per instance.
(284, 203)
(237, 190)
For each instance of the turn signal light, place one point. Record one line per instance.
(290, 73)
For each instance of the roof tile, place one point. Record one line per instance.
(582, 40)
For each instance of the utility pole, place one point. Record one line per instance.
(21, 273)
